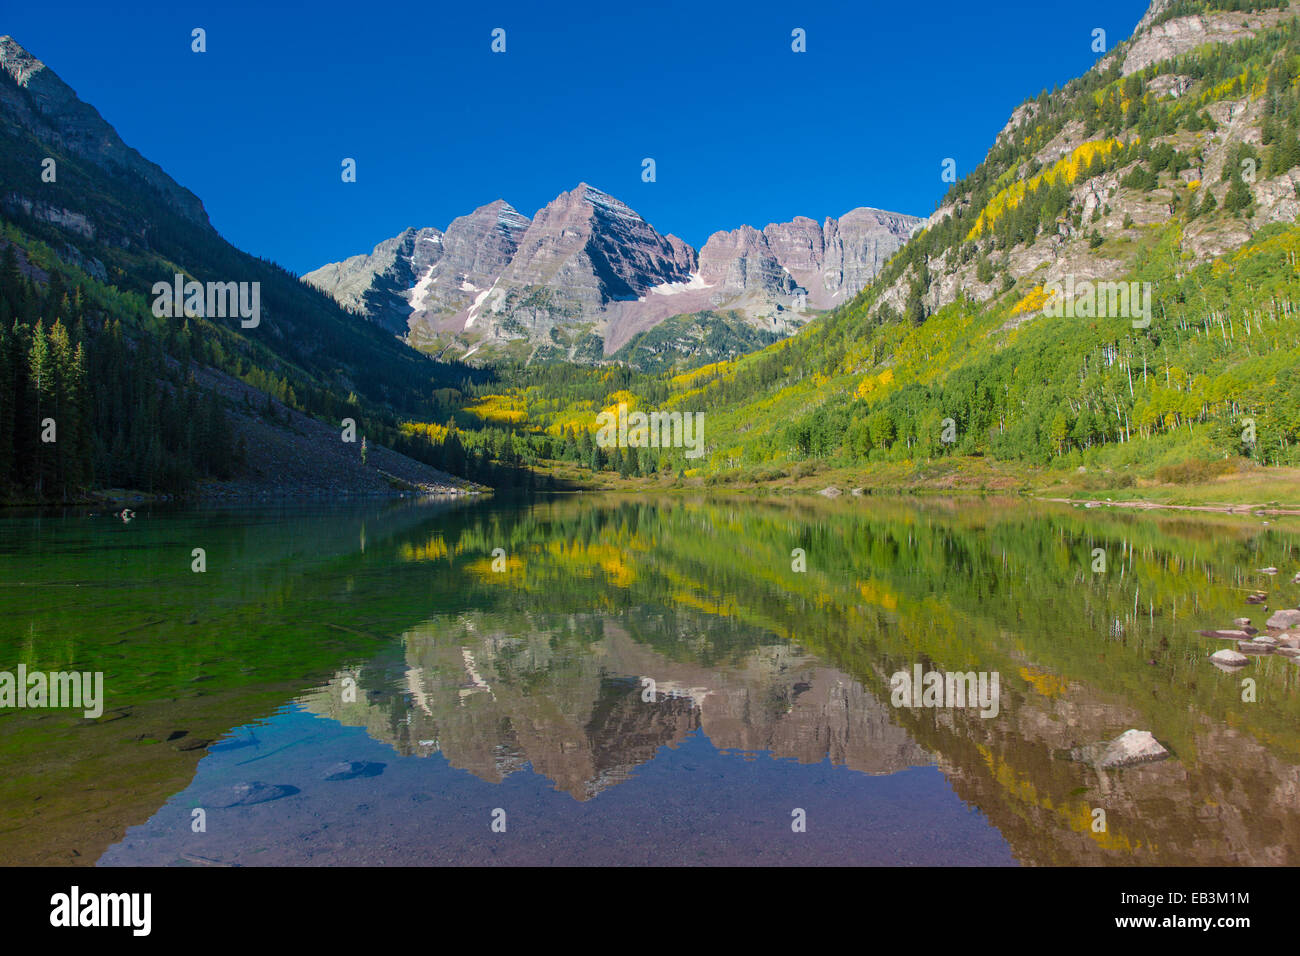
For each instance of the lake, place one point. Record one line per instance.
(588, 679)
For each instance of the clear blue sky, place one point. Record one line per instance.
(742, 129)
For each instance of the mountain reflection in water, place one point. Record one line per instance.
(652, 682)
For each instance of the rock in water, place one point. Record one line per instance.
(353, 769)
(1229, 658)
(1268, 570)
(1254, 647)
(250, 794)
(1227, 635)
(1284, 619)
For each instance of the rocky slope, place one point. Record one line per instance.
(47, 108)
(122, 220)
(1101, 223)
(588, 274)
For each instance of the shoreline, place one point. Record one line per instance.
(1148, 505)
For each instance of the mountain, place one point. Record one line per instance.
(124, 220)
(1067, 159)
(166, 400)
(1174, 163)
(1110, 295)
(588, 275)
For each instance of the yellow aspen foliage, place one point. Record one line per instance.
(873, 382)
(686, 379)
(501, 409)
(1067, 168)
(1032, 302)
(436, 434)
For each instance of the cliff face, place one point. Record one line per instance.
(1157, 38)
(376, 283)
(587, 273)
(46, 107)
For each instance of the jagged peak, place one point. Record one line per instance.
(598, 197)
(21, 65)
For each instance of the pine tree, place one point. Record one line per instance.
(63, 412)
(42, 383)
(1238, 198)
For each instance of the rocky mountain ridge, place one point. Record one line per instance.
(587, 274)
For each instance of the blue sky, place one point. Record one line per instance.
(742, 129)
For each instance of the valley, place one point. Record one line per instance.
(531, 533)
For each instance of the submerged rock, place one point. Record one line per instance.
(1227, 635)
(353, 769)
(1229, 658)
(250, 794)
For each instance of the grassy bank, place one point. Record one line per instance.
(1233, 485)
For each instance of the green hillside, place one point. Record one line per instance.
(88, 227)
(951, 353)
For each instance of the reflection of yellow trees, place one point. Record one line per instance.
(726, 607)
(584, 558)
(431, 550)
(1076, 816)
(1049, 685)
(482, 569)
(878, 594)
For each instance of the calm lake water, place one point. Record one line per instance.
(377, 684)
